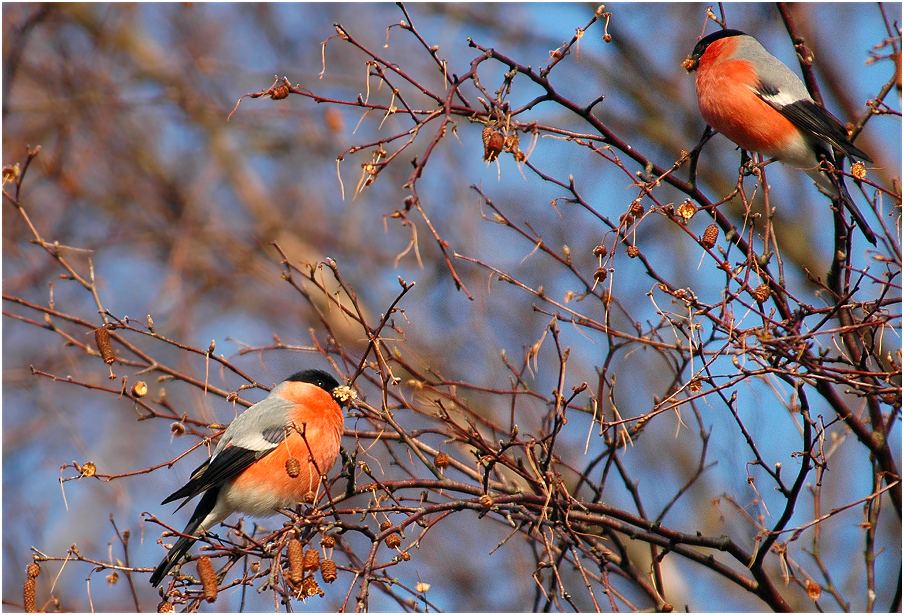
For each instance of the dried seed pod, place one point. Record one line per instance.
(600, 274)
(30, 595)
(600, 250)
(88, 470)
(311, 560)
(140, 389)
(113, 578)
(279, 92)
(761, 292)
(633, 251)
(104, 345)
(493, 142)
(687, 210)
(293, 467)
(858, 170)
(405, 555)
(33, 570)
(513, 145)
(309, 497)
(208, 578)
(385, 525)
(296, 568)
(441, 461)
(486, 500)
(393, 540)
(177, 428)
(328, 570)
(11, 173)
(710, 236)
(636, 209)
(166, 607)
(813, 589)
(512, 142)
(328, 541)
(310, 588)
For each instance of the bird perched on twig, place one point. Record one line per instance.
(752, 98)
(251, 469)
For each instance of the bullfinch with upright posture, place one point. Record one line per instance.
(248, 470)
(749, 96)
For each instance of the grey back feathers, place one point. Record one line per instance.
(774, 75)
(260, 427)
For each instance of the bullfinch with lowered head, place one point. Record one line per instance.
(248, 470)
(749, 96)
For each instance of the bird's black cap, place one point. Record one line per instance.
(316, 377)
(707, 40)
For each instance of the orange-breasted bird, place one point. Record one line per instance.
(247, 472)
(752, 98)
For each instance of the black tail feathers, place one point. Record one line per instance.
(845, 197)
(205, 506)
(175, 554)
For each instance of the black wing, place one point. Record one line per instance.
(813, 119)
(229, 463)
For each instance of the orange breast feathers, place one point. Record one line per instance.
(728, 103)
(314, 435)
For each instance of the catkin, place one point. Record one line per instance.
(311, 560)
(104, 345)
(296, 569)
(710, 235)
(208, 578)
(328, 570)
(30, 595)
(293, 467)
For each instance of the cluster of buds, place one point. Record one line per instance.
(344, 394)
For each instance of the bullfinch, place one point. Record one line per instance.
(248, 471)
(749, 96)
